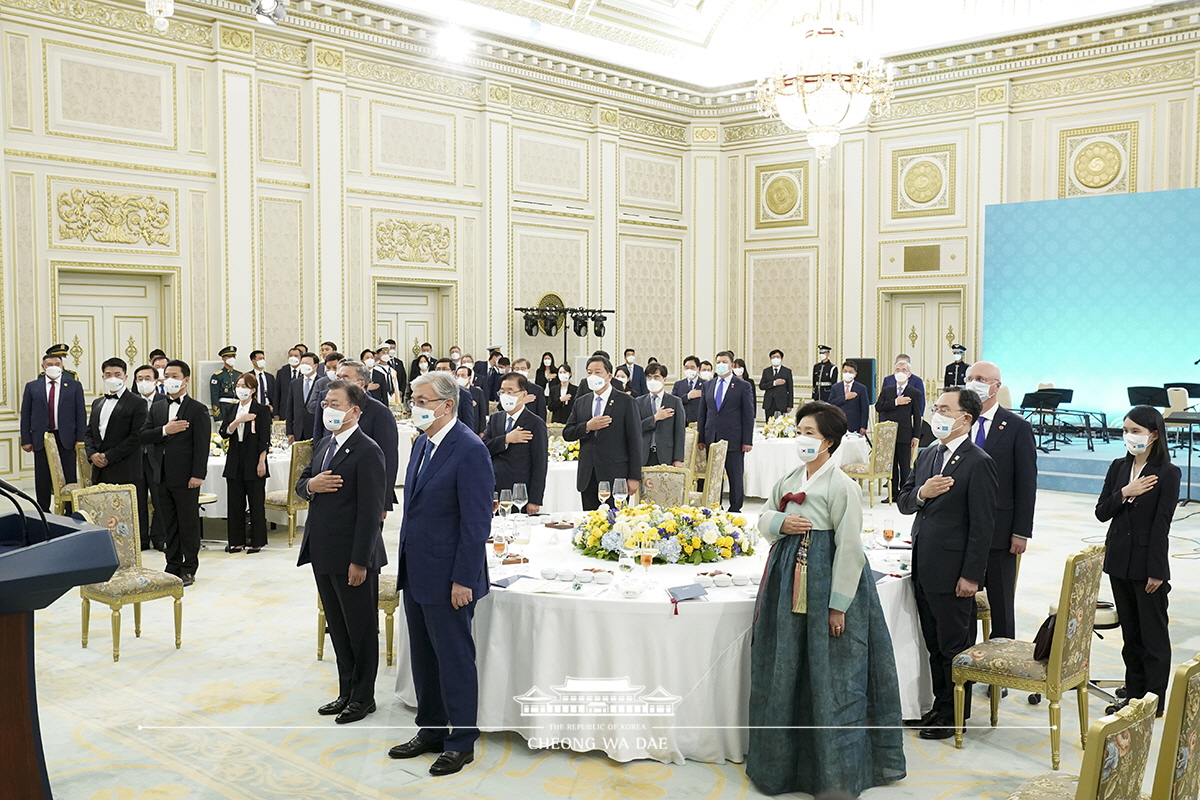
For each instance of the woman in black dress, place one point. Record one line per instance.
(247, 427)
(562, 394)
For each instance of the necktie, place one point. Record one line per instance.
(509, 426)
(112, 396)
(980, 435)
(939, 459)
(333, 445)
(424, 456)
(262, 389)
(307, 387)
(720, 392)
(654, 401)
(599, 406)
(50, 403)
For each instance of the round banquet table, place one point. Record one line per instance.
(541, 643)
(561, 494)
(771, 459)
(279, 467)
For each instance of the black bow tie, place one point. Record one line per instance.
(174, 399)
(112, 396)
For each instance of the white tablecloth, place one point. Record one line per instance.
(771, 459)
(561, 494)
(537, 644)
(407, 432)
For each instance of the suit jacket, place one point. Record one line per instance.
(913, 381)
(378, 423)
(35, 413)
(147, 449)
(270, 391)
(857, 410)
(121, 443)
(447, 518)
(1138, 531)
(908, 416)
(320, 388)
(468, 413)
(668, 434)
(952, 532)
(343, 527)
(283, 391)
(538, 404)
(178, 457)
(481, 407)
(637, 380)
(382, 375)
(300, 420)
(612, 452)
(777, 399)
(682, 389)
(1010, 444)
(245, 447)
(525, 462)
(734, 422)
(558, 410)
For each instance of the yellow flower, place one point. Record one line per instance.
(739, 521)
(670, 526)
(687, 548)
(695, 541)
(593, 541)
(726, 553)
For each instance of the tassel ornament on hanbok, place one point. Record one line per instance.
(800, 576)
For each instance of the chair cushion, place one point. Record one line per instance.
(856, 469)
(1003, 657)
(387, 588)
(65, 493)
(279, 497)
(1047, 786)
(981, 602)
(135, 580)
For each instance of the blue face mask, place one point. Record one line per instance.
(722, 368)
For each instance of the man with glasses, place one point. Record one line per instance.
(609, 431)
(516, 438)
(468, 413)
(378, 423)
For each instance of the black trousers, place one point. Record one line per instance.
(180, 509)
(653, 459)
(253, 491)
(901, 466)
(948, 627)
(1147, 641)
(43, 486)
(1001, 585)
(590, 497)
(156, 527)
(352, 618)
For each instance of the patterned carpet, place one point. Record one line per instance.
(232, 714)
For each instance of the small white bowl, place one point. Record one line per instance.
(740, 580)
(566, 574)
(722, 580)
(583, 577)
(604, 577)
(631, 591)
(549, 573)
(755, 578)
(704, 580)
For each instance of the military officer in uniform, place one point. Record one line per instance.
(956, 370)
(221, 388)
(61, 351)
(824, 375)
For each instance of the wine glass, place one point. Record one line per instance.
(889, 531)
(495, 503)
(620, 491)
(646, 554)
(506, 502)
(603, 491)
(499, 544)
(520, 495)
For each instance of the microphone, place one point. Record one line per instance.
(9, 488)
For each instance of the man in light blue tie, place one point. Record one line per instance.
(609, 431)
(727, 413)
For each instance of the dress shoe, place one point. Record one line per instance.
(329, 709)
(188, 580)
(924, 722)
(940, 729)
(355, 711)
(415, 747)
(451, 762)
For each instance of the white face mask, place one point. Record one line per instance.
(524, 372)
(333, 419)
(1136, 443)
(306, 369)
(508, 402)
(384, 357)
(172, 385)
(53, 373)
(901, 377)
(113, 384)
(958, 356)
(261, 363)
(690, 374)
(722, 368)
(807, 448)
(706, 375)
(293, 361)
(982, 389)
(463, 382)
(824, 356)
(564, 377)
(848, 377)
(595, 382)
(547, 362)
(422, 417)
(630, 359)
(941, 425)
(455, 357)
(145, 387)
(738, 371)
(331, 374)
(654, 385)
(243, 393)
(369, 363)
(775, 362)
(230, 361)
(424, 366)
(161, 372)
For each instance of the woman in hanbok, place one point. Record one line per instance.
(824, 698)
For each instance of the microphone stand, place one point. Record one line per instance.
(21, 514)
(9, 488)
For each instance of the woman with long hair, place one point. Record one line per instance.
(247, 427)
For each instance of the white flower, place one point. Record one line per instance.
(708, 532)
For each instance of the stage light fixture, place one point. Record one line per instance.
(551, 324)
(580, 322)
(531, 325)
(598, 324)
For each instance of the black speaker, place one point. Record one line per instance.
(866, 375)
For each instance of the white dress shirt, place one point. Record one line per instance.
(106, 410)
(172, 410)
(57, 396)
(604, 396)
(985, 419)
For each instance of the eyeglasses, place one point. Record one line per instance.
(327, 404)
(424, 403)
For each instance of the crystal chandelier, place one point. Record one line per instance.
(159, 10)
(825, 82)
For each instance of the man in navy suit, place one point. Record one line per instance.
(466, 408)
(727, 412)
(443, 572)
(300, 420)
(516, 438)
(689, 388)
(536, 402)
(113, 438)
(284, 378)
(851, 397)
(379, 423)
(345, 487)
(637, 375)
(52, 403)
(914, 380)
(608, 428)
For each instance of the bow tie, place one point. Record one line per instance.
(112, 396)
(174, 400)
(791, 497)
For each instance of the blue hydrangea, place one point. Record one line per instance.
(611, 541)
(669, 550)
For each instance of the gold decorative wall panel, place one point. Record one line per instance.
(197, 117)
(650, 304)
(1098, 160)
(651, 180)
(111, 217)
(413, 79)
(1107, 81)
(781, 195)
(651, 127)
(923, 181)
(551, 107)
(412, 241)
(20, 112)
(546, 258)
(780, 302)
(279, 135)
(353, 134)
(104, 15)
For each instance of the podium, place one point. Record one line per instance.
(31, 578)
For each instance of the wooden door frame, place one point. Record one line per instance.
(885, 311)
(447, 328)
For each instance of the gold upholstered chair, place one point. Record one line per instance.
(114, 507)
(665, 486)
(714, 476)
(1114, 766)
(1010, 663)
(690, 437)
(389, 601)
(287, 499)
(554, 429)
(983, 605)
(1178, 773)
(60, 490)
(278, 427)
(879, 467)
(83, 466)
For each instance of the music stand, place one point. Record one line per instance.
(1148, 396)
(1193, 389)
(1042, 403)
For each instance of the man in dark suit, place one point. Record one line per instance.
(487, 374)
(606, 424)
(900, 402)
(664, 421)
(267, 393)
(1008, 439)
(382, 384)
(346, 490)
(465, 376)
(913, 379)
(851, 397)
(727, 412)
(52, 403)
(777, 387)
(112, 440)
(443, 572)
(300, 420)
(285, 377)
(689, 389)
(154, 529)
(317, 395)
(180, 432)
(536, 402)
(468, 412)
(516, 438)
(377, 422)
(637, 375)
(952, 492)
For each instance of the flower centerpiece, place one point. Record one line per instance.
(780, 427)
(681, 534)
(562, 450)
(216, 446)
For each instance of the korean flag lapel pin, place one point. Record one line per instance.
(1002, 424)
